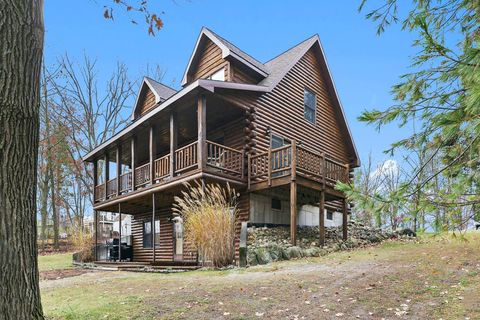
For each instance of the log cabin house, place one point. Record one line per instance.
(275, 131)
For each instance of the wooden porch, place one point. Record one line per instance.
(220, 160)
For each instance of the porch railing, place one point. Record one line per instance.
(125, 182)
(162, 167)
(277, 162)
(186, 157)
(99, 192)
(111, 187)
(142, 175)
(225, 159)
(219, 158)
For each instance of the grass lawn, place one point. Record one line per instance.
(436, 278)
(55, 262)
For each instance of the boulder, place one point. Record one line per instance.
(294, 252)
(263, 256)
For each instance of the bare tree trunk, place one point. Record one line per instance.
(21, 47)
(54, 195)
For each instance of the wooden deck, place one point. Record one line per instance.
(280, 166)
(220, 160)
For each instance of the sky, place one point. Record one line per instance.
(364, 66)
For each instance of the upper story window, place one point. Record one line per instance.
(309, 102)
(218, 75)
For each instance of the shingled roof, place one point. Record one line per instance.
(162, 92)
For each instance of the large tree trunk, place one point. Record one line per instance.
(21, 45)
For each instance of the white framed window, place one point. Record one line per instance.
(309, 103)
(218, 75)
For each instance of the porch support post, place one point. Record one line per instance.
(95, 230)
(344, 214)
(321, 218)
(173, 142)
(293, 212)
(153, 153)
(107, 174)
(95, 179)
(153, 226)
(119, 167)
(132, 166)
(202, 131)
(119, 232)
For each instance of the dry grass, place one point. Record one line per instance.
(82, 243)
(209, 217)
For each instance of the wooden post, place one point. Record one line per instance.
(321, 218)
(119, 232)
(152, 146)
(107, 174)
(132, 151)
(324, 170)
(153, 226)
(269, 164)
(293, 212)
(202, 131)
(249, 169)
(173, 142)
(95, 179)
(344, 224)
(95, 221)
(119, 167)
(293, 165)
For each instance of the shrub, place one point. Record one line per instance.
(83, 245)
(209, 215)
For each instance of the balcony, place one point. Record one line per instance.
(220, 160)
(280, 165)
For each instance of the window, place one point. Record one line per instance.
(276, 204)
(218, 75)
(309, 102)
(147, 234)
(157, 233)
(329, 215)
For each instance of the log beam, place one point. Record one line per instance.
(293, 212)
(173, 142)
(202, 131)
(321, 218)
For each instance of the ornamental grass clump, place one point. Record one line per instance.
(209, 215)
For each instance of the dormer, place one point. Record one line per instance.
(150, 95)
(217, 59)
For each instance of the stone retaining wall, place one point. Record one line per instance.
(273, 244)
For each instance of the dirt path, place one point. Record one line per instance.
(439, 279)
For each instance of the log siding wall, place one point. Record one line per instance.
(208, 61)
(283, 111)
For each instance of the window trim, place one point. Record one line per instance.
(314, 107)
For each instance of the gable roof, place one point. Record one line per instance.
(161, 92)
(228, 49)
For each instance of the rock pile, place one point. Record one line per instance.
(272, 244)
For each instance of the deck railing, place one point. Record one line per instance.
(225, 159)
(99, 192)
(142, 175)
(111, 187)
(186, 157)
(276, 163)
(162, 167)
(125, 182)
